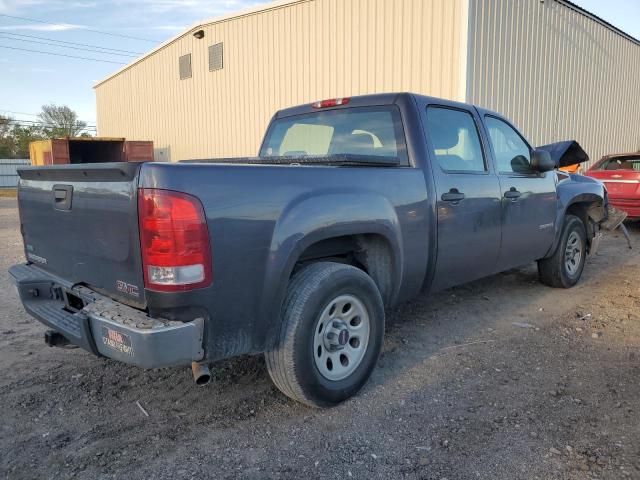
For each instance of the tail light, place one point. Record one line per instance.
(332, 102)
(174, 239)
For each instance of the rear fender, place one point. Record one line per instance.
(315, 218)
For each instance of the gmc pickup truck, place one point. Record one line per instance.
(352, 206)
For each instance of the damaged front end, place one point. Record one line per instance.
(584, 196)
(605, 218)
(615, 220)
(566, 153)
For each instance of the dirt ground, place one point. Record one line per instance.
(499, 379)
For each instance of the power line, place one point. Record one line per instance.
(85, 29)
(62, 55)
(42, 122)
(66, 46)
(71, 43)
(21, 113)
(88, 129)
(37, 115)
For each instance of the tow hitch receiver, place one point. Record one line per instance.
(55, 339)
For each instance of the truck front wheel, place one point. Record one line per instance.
(564, 268)
(330, 336)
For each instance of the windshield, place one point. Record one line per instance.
(621, 163)
(361, 131)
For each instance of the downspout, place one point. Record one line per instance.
(463, 57)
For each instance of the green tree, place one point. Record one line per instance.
(7, 143)
(23, 136)
(60, 121)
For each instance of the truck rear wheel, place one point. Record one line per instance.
(564, 268)
(330, 336)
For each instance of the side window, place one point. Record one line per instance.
(511, 152)
(455, 140)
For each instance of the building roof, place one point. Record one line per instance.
(600, 20)
(283, 3)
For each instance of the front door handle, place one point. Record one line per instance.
(512, 193)
(452, 195)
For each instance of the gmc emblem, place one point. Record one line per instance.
(127, 288)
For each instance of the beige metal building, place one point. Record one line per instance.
(556, 70)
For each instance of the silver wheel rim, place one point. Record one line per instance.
(341, 337)
(573, 253)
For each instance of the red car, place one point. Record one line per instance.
(621, 176)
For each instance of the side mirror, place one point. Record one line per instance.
(541, 161)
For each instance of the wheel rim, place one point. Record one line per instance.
(341, 337)
(573, 253)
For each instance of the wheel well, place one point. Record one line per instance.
(590, 213)
(369, 252)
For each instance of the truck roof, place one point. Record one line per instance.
(376, 99)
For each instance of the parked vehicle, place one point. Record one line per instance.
(621, 176)
(353, 205)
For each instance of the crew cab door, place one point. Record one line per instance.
(468, 197)
(529, 200)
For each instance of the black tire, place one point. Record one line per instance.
(555, 271)
(291, 363)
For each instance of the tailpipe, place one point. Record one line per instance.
(201, 373)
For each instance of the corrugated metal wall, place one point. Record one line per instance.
(287, 55)
(9, 171)
(556, 72)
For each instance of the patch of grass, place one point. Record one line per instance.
(9, 192)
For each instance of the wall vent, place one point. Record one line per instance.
(184, 63)
(215, 57)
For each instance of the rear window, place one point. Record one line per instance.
(360, 131)
(621, 163)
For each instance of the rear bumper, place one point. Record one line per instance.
(105, 327)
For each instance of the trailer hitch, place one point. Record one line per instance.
(56, 339)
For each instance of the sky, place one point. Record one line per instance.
(29, 79)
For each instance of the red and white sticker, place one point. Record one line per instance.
(117, 341)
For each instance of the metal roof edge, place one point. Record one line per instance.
(602, 21)
(210, 21)
(284, 3)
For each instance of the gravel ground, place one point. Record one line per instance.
(499, 379)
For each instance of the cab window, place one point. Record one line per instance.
(357, 131)
(511, 152)
(455, 142)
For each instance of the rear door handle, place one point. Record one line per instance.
(452, 195)
(512, 193)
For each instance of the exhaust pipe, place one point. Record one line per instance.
(201, 373)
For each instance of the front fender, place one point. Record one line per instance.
(575, 189)
(310, 219)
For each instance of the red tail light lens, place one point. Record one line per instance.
(174, 239)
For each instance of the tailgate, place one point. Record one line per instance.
(80, 223)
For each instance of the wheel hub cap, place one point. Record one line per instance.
(336, 336)
(341, 337)
(573, 253)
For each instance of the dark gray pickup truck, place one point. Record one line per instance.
(352, 206)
